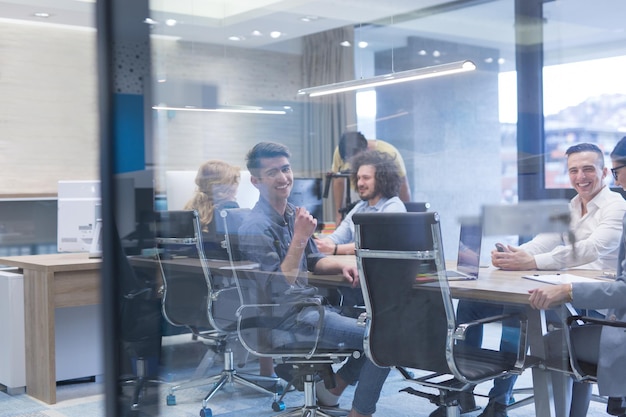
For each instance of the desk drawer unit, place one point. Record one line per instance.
(12, 361)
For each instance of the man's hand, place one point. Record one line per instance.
(304, 225)
(351, 274)
(513, 259)
(549, 296)
(325, 245)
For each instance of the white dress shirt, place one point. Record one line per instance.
(597, 235)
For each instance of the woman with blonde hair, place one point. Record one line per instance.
(216, 186)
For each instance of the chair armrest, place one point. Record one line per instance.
(216, 294)
(272, 322)
(461, 329)
(145, 293)
(594, 320)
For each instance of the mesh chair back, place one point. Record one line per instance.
(187, 289)
(231, 220)
(407, 324)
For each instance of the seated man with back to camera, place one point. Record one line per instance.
(596, 222)
(350, 145)
(594, 344)
(378, 182)
(278, 236)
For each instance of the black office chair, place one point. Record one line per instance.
(411, 322)
(264, 310)
(140, 330)
(200, 301)
(577, 368)
(416, 207)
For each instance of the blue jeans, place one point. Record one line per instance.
(344, 333)
(474, 310)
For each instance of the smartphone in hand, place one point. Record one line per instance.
(500, 247)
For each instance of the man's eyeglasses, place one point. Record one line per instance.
(614, 171)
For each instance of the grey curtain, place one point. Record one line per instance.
(326, 61)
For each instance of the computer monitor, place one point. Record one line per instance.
(180, 186)
(79, 208)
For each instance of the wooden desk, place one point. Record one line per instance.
(51, 281)
(503, 287)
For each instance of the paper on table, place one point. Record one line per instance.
(559, 278)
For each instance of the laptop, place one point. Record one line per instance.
(468, 259)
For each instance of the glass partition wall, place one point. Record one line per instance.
(208, 81)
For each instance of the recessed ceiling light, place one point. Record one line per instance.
(150, 21)
(256, 33)
(171, 22)
(43, 15)
(276, 34)
(421, 52)
(489, 60)
(501, 61)
(436, 53)
(345, 44)
(236, 38)
(363, 44)
(309, 18)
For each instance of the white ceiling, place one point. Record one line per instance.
(573, 29)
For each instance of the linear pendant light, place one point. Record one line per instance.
(241, 109)
(393, 78)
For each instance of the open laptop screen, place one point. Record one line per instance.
(470, 241)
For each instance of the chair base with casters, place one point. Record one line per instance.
(228, 375)
(304, 375)
(140, 384)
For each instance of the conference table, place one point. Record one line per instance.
(502, 287)
(73, 279)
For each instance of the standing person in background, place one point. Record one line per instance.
(350, 145)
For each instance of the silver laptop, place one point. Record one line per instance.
(468, 260)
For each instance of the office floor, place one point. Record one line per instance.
(86, 399)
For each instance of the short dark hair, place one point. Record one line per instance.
(264, 150)
(618, 153)
(351, 143)
(387, 175)
(586, 147)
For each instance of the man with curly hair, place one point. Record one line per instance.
(378, 183)
(351, 144)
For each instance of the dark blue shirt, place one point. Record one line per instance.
(265, 237)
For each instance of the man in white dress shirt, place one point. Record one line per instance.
(596, 223)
